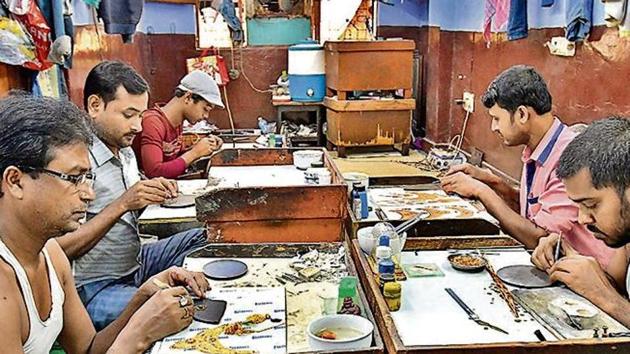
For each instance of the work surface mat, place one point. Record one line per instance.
(403, 204)
(387, 165)
(428, 316)
(256, 176)
(545, 304)
(241, 302)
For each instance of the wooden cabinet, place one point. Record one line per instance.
(11, 77)
(369, 66)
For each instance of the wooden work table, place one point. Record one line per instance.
(266, 262)
(430, 321)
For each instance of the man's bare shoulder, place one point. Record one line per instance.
(59, 260)
(10, 305)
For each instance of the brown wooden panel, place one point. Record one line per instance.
(369, 128)
(272, 203)
(376, 65)
(252, 157)
(295, 230)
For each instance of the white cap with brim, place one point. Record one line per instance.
(202, 84)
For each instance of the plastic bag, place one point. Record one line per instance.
(214, 65)
(25, 39)
(16, 46)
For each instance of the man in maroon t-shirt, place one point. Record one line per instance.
(159, 146)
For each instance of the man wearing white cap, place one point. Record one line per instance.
(159, 146)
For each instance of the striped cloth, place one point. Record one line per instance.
(496, 11)
(116, 254)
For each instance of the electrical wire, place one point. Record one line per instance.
(461, 136)
(240, 58)
(231, 118)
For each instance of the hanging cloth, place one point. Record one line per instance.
(579, 17)
(497, 12)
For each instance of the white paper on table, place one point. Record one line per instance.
(257, 176)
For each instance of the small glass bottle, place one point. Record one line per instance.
(386, 268)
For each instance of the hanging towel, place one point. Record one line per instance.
(579, 17)
(495, 11)
(517, 23)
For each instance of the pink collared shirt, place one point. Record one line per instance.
(547, 204)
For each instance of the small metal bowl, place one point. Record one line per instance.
(467, 268)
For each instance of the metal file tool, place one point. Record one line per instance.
(471, 314)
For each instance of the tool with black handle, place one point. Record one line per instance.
(471, 314)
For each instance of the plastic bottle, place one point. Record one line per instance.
(279, 141)
(271, 140)
(385, 264)
(263, 125)
(386, 271)
(356, 201)
(364, 201)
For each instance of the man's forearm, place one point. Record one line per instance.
(81, 241)
(613, 304)
(513, 223)
(109, 336)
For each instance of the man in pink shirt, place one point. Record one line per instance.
(520, 106)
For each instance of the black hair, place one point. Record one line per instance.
(517, 86)
(604, 150)
(33, 127)
(105, 78)
(195, 97)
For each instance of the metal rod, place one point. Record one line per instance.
(557, 253)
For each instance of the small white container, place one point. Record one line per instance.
(303, 159)
(367, 241)
(362, 325)
(324, 176)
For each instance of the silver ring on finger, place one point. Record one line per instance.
(183, 301)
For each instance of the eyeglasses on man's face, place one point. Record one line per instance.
(86, 178)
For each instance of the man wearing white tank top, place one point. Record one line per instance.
(45, 187)
(595, 167)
